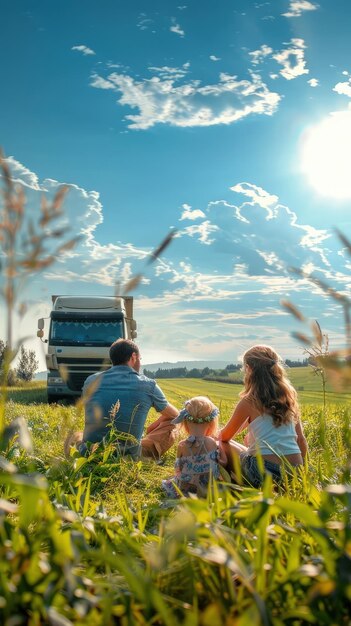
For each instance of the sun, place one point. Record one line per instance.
(326, 155)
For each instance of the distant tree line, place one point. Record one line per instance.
(183, 372)
(27, 365)
(290, 363)
(221, 375)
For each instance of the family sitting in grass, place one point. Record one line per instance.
(120, 398)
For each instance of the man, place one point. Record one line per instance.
(121, 397)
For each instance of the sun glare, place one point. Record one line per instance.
(326, 156)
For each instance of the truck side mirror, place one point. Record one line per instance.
(134, 334)
(40, 325)
(40, 333)
(133, 325)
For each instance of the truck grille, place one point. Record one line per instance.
(76, 372)
(76, 381)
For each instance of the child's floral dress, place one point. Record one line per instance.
(192, 472)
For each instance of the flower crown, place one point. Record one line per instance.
(185, 415)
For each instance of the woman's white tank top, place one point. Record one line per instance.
(265, 438)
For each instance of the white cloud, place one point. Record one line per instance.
(260, 54)
(170, 73)
(226, 270)
(89, 261)
(168, 99)
(229, 317)
(84, 50)
(189, 214)
(258, 196)
(21, 174)
(292, 59)
(144, 22)
(343, 88)
(313, 82)
(214, 58)
(175, 28)
(100, 83)
(255, 233)
(297, 7)
(271, 259)
(204, 231)
(260, 234)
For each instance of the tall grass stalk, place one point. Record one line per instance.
(27, 247)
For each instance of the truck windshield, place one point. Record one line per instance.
(88, 333)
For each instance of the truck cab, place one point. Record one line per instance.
(81, 331)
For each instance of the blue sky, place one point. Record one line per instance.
(229, 121)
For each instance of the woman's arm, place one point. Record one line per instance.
(238, 421)
(301, 439)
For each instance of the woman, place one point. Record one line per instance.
(269, 410)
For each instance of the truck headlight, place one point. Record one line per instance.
(55, 380)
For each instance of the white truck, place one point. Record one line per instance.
(81, 331)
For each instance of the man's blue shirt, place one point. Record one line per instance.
(122, 388)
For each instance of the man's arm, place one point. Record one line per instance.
(161, 434)
(166, 415)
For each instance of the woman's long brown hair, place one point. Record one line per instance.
(267, 386)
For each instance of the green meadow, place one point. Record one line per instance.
(93, 541)
(49, 424)
(177, 390)
(307, 383)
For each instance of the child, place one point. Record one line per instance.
(269, 410)
(198, 456)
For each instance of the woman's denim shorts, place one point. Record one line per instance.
(251, 472)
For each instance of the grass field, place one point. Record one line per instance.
(309, 387)
(307, 383)
(95, 543)
(50, 423)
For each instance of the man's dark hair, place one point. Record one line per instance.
(121, 351)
